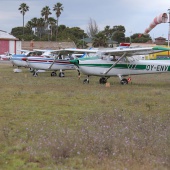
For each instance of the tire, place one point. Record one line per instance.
(102, 80)
(86, 81)
(61, 74)
(53, 74)
(124, 81)
(35, 74)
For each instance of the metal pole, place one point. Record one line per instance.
(169, 28)
(130, 37)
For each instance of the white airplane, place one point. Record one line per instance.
(5, 56)
(17, 59)
(55, 63)
(49, 64)
(125, 65)
(58, 63)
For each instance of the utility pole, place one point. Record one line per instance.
(168, 30)
(169, 27)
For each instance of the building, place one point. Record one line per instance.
(9, 43)
(160, 41)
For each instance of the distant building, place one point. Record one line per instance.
(160, 41)
(9, 43)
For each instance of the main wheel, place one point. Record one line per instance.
(124, 81)
(102, 80)
(53, 74)
(86, 81)
(35, 74)
(61, 74)
(31, 69)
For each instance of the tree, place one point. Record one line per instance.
(34, 23)
(46, 12)
(100, 40)
(52, 22)
(29, 25)
(23, 9)
(92, 28)
(17, 32)
(58, 8)
(40, 26)
(140, 38)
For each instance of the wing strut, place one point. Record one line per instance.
(115, 63)
(53, 61)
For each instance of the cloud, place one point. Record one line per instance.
(134, 15)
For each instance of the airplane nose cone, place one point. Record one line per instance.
(24, 59)
(75, 62)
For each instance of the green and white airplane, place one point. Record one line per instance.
(126, 64)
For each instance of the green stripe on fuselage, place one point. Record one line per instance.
(119, 66)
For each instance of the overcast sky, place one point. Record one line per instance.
(134, 15)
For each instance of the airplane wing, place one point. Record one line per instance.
(81, 50)
(135, 51)
(129, 51)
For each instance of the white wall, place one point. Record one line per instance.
(12, 48)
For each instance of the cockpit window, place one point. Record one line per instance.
(103, 55)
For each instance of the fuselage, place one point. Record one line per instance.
(17, 60)
(99, 67)
(49, 64)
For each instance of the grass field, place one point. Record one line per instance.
(60, 123)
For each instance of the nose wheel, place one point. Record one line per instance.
(61, 74)
(103, 80)
(86, 81)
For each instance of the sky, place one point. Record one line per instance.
(134, 15)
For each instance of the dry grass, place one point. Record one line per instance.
(60, 123)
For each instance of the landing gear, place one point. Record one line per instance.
(124, 81)
(53, 74)
(78, 73)
(61, 74)
(35, 74)
(86, 81)
(103, 80)
(31, 69)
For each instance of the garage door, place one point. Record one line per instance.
(4, 46)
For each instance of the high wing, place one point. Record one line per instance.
(81, 50)
(115, 51)
(134, 50)
(129, 51)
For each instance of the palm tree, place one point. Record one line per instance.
(57, 8)
(23, 9)
(34, 24)
(40, 26)
(29, 25)
(46, 12)
(52, 22)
